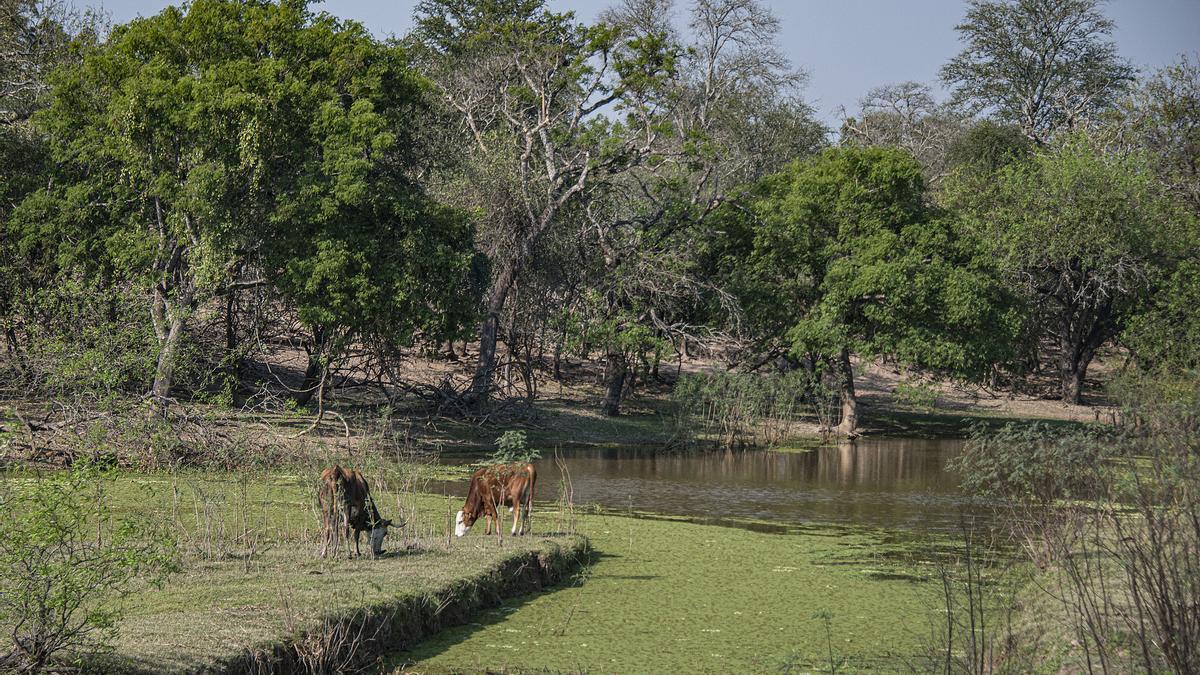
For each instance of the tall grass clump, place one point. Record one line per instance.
(1111, 520)
(748, 409)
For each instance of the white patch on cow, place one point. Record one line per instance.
(460, 528)
(377, 535)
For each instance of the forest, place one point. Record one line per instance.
(248, 237)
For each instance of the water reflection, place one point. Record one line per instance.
(876, 482)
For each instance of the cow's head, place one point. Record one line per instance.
(463, 521)
(378, 532)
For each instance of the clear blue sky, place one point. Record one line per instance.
(847, 46)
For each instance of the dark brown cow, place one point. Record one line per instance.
(346, 504)
(495, 486)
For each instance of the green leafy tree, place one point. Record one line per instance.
(36, 36)
(1083, 236)
(841, 256)
(228, 145)
(988, 146)
(1165, 335)
(1043, 65)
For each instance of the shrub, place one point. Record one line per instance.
(1034, 462)
(65, 561)
(736, 409)
(513, 448)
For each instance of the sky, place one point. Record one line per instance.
(847, 47)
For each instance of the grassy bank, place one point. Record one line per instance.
(670, 596)
(253, 596)
(289, 611)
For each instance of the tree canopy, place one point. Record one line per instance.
(841, 255)
(1043, 65)
(232, 144)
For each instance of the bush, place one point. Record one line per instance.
(513, 448)
(1112, 521)
(1034, 462)
(737, 409)
(65, 561)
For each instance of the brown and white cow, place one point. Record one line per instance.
(495, 486)
(346, 505)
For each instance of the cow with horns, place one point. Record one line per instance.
(346, 505)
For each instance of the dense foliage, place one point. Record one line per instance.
(842, 255)
(190, 198)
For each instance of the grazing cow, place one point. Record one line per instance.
(346, 504)
(494, 486)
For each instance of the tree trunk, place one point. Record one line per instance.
(1073, 366)
(485, 365)
(232, 346)
(558, 361)
(312, 372)
(168, 353)
(849, 422)
(616, 384)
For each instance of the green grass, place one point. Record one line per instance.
(668, 596)
(662, 595)
(251, 577)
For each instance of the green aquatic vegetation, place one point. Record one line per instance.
(670, 596)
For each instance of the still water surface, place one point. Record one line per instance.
(884, 482)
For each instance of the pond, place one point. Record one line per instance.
(827, 560)
(880, 482)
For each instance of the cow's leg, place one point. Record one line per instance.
(528, 505)
(324, 534)
(516, 517)
(357, 537)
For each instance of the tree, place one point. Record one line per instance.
(1043, 65)
(841, 255)
(230, 145)
(906, 116)
(987, 146)
(1082, 235)
(1161, 117)
(731, 111)
(35, 38)
(531, 90)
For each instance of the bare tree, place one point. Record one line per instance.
(532, 90)
(906, 115)
(1044, 65)
(34, 39)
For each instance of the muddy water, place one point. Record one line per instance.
(890, 483)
